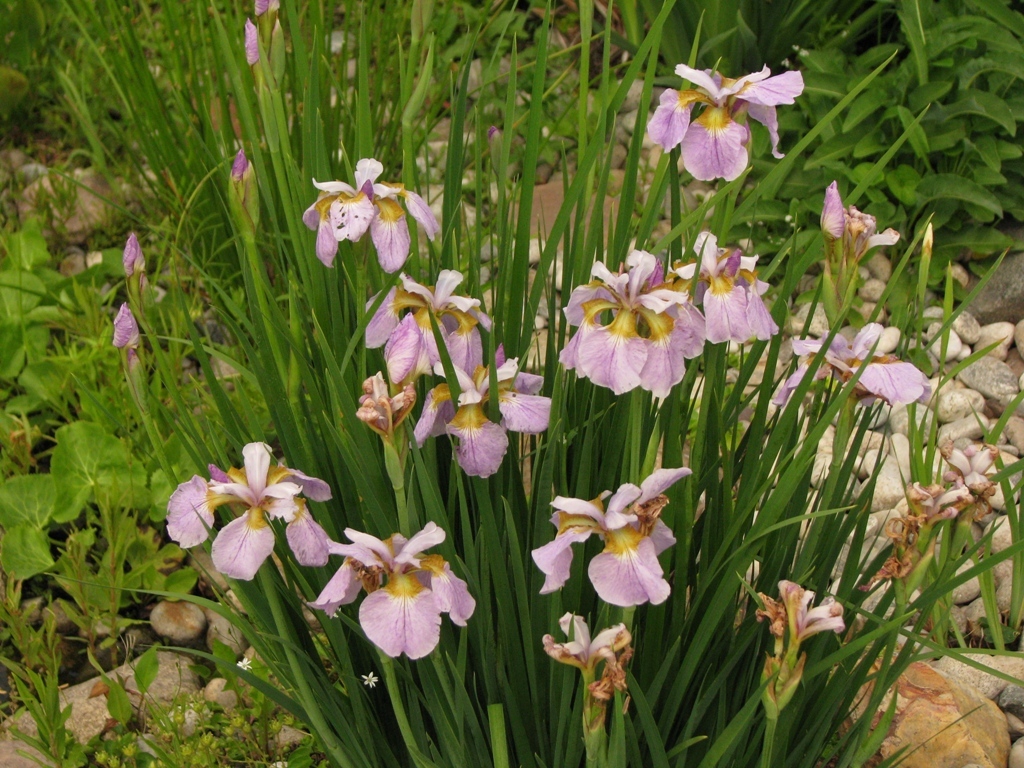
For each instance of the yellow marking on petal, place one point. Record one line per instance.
(622, 541)
(237, 476)
(721, 285)
(433, 563)
(569, 522)
(442, 394)
(623, 325)
(594, 307)
(465, 320)
(255, 519)
(394, 185)
(715, 119)
(403, 586)
(323, 205)
(469, 417)
(390, 211)
(690, 96)
(406, 300)
(214, 500)
(276, 474)
(660, 325)
(749, 275)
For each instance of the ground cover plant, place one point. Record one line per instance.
(585, 439)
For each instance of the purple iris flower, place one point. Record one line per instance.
(729, 292)
(482, 443)
(627, 572)
(403, 615)
(884, 377)
(344, 212)
(252, 46)
(804, 621)
(582, 651)
(715, 144)
(411, 349)
(132, 258)
(267, 493)
(653, 328)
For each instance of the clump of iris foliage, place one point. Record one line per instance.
(416, 436)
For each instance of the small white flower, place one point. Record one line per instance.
(245, 664)
(370, 680)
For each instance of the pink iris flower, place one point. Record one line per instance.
(343, 212)
(267, 493)
(653, 328)
(483, 443)
(729, 292)
(884, 377)
(715, 144)
(804, 621)
(583, 651)
(627, 572)
(403, 615)
(411, 348)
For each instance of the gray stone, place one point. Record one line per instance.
(967, 328)
(1002, 298)
(1015, 724)
(948, 340)
(220, 629)
(1016, 755)
(954, 404)
(880, 267)
(1018, 337)
(11, 756)
(31, 172)
(992, 378)
(899, 419)
(890, 487)
(872, 290)
(989, 685)
(1015, 432)
(888, 341)
(87, 210)
(1000, 334)
(819, 322)
(180, 622)
(1012, 700)
(216, 693)
(970, 590)
(289, 737)
(969, 427)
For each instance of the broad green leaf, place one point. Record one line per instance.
(988, 151)
(28, 500)
(146, 668)
(19, 343)
(88, 460)
(182, 580)
(45, 380)
(20, 291)
(981, 103)
(903, 183)
(979, 240)
(953, 187)
(118, 705)
(25, 551)
(866, 105)
(27, 248)
(915, 133)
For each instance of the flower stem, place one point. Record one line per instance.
(391, 682)
(769, 742)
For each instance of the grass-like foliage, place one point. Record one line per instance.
(755, 511)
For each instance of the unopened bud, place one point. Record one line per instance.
(132, 259)
(252, 46)
(243, 193)
(126, 330)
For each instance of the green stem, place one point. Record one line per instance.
(310, 704)
(769, 743)
(391, 681)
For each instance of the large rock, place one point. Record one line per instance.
(182, 622)
(10, 757)
(1002, 298)
(78, 204)
(987, 684)
(993, 378)
(941, 723)
(89, 715)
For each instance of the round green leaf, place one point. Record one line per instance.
(88, 460)
(28, 500)
(25, 552)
